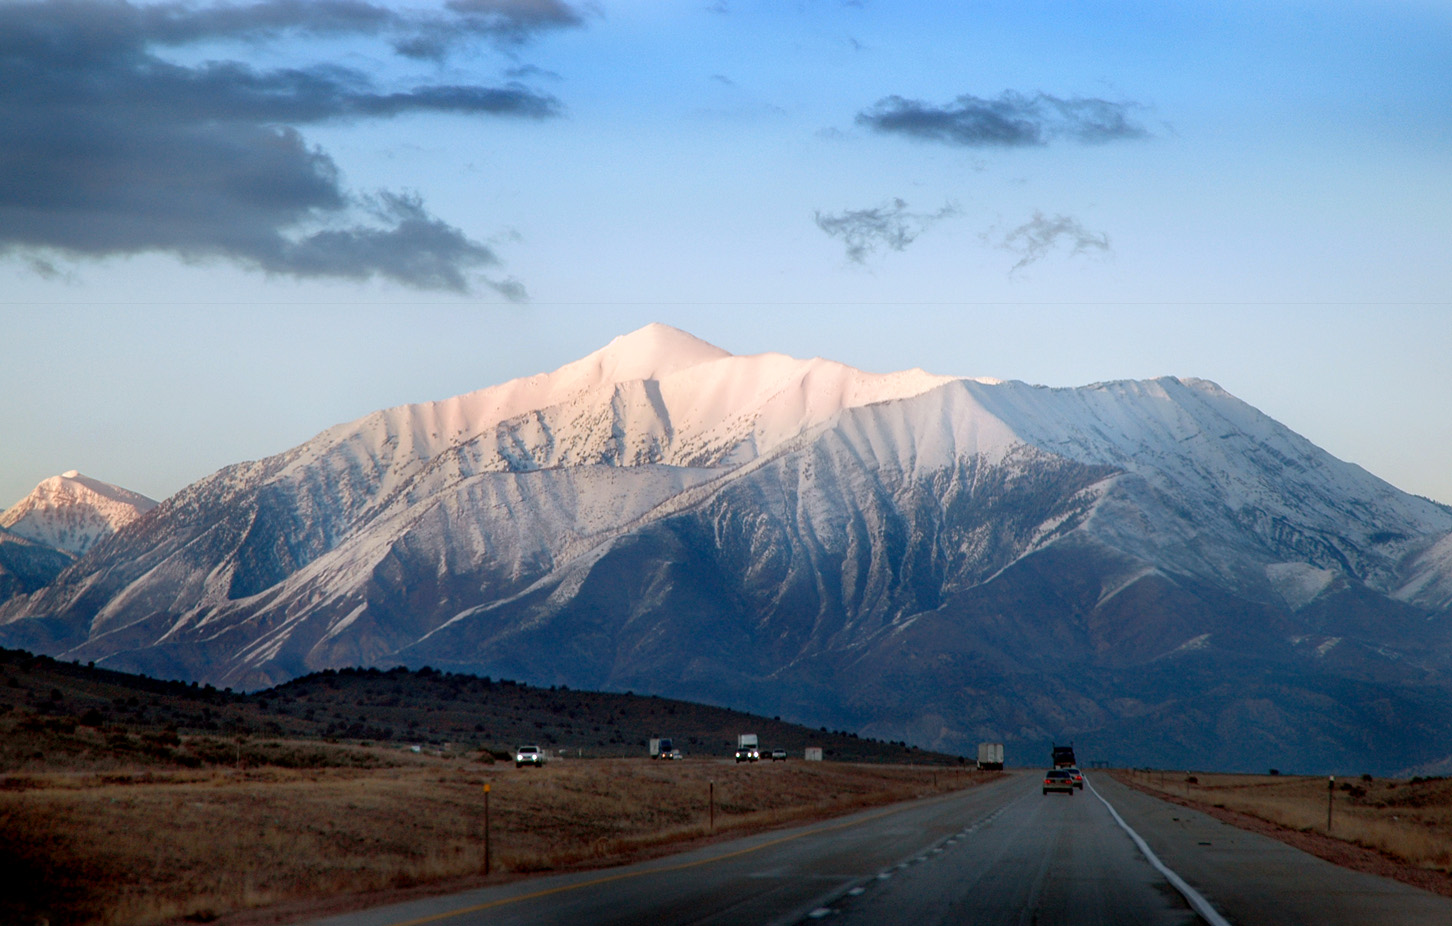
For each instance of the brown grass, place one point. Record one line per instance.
(193, 845)
(1407, 821)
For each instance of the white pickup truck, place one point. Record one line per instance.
(528, 755)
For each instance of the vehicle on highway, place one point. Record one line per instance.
(778, 755)
(1058, 779)
(528, 755)
(1078, 777)
(748, 754)
(990, 757)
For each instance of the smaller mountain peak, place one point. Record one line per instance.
(71, 512)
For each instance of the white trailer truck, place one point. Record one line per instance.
(990, 756)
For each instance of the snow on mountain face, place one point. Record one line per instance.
(656, 395)
(72, 512)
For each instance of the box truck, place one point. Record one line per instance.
(990, 756)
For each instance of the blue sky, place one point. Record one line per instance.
(225, 227)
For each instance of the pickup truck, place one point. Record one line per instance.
(528, 755)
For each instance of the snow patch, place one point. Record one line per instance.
(1298, 584)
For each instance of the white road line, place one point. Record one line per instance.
(1198, 903)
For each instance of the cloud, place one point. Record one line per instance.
(506, 23)
(892, 226)
(111, 149)
(1011, 121)
(1039, 236)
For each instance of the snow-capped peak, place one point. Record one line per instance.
(706, 402)
(71, 512)
(652, 352)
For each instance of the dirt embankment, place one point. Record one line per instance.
(195, 846)
(1396, 829)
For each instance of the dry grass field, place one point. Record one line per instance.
(154, 846)
(1406, 822)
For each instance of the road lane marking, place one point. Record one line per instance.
(1198, 903)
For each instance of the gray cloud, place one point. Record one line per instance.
(505, 22)
(1012, 120)
(110, 149)
(891, 226)
(1039, 236)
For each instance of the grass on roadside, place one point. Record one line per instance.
(193, 845)
(1406, 820)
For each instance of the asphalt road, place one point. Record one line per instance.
(999, 854)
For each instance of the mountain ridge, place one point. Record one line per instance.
(664, 516)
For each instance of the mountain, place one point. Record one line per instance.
(71, 512)
(1155, 569)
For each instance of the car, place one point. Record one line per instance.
(528, 755)
(1077, 776)
(778, 755)
(748, 754)
(1059, 779)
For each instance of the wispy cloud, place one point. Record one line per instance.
(1013, 120)
(1042, 235)
(110, 148)
(891, 226)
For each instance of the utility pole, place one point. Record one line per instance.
(713, 805)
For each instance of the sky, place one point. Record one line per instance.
(225, 227)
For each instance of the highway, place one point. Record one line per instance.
(1002, 853)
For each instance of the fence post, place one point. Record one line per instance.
(487, 847)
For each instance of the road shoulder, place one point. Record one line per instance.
(1336, 851)
(1253, 878)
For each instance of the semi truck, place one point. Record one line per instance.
(747, 749)
(1064, 756)
(990, 756)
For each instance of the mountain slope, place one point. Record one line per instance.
(917, 556)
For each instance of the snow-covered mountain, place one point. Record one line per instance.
(913, 556)
(72, 512)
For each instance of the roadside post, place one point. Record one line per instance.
(486, 828)
(1330, 799)
(713, 805)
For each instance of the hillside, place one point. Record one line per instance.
(56, 715)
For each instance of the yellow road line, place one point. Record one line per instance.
(434, 918)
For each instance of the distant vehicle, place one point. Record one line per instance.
(1064, 756)
(748, 754)
(778, 755)
(671, 754)
(990, 756)
(1077, 776)
(528, 755)
(747, 739)
(1058, 779)
(661, 748)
